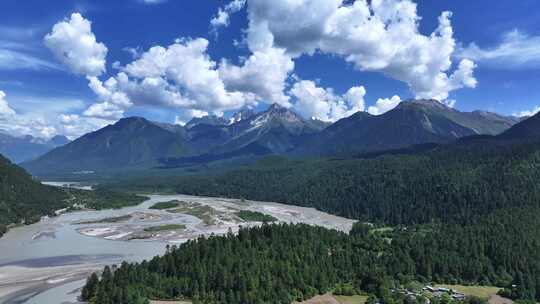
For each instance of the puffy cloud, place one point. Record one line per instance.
(316, 102)
(74, 44)
(379, 36)
(516, 50)
(528, 113)
(223, 15)
(73, 125)
(45, 124)
(449, 103)
(5, 109)
(384, 105)
(68, 118)
(263, 74)
(104, 110)
(355, 98)
(181, 75)
(185, 116)
(109, 91)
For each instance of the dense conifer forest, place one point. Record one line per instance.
(448, 183)
(464, 213)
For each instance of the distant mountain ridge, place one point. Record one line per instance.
(20, 149)
(528, 128)
(412, 122)
(136, 143)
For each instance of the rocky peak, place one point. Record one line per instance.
(211, 120)
(243, 114)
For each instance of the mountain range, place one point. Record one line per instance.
(20, 149)
(136, 143)
(410, 123)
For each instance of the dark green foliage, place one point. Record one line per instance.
(165, 205)
(270, 264)
(344, 290)
(255, 216)
(103, 199)
(165, 228)
(475, 300)
(449, 183)
(23, 200)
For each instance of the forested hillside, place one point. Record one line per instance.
(24, 200)
(448, 183)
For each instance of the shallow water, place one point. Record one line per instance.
(59, 238)
(62, 294)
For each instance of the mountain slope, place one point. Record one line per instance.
(22, 198)
(274, 131)
(20, 149)
(278, 129)
(410, 123)
(138, 144)
(130, 143)
(526, 129)
(211, 120)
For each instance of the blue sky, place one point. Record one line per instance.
(331, 75)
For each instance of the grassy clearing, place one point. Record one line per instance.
(332, 299)
(102, 199)
(483, 292)
(351, 299)
(165, 228)
(382, 230)
(165, 205)
(206, 213)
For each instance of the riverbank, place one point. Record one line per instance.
(19, 284)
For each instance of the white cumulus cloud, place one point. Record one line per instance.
(223, 15)
(185, 116)
(380, 36)
(384, 105)
(320, 103)
(263, 74)
(74, 44)
(5, 109)
(527, 113)
(45, 124)
(181, 76)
